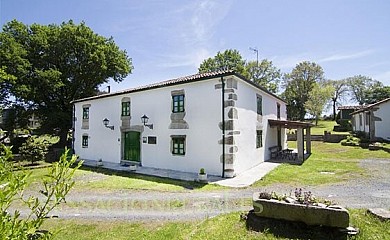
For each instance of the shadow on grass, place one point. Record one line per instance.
(190, 185)
(291, 230)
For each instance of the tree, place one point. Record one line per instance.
(230, 59)
(360, 86)
(264, 74)
(340, 90)
(56, 64)
(320, 94)
(298, 85)
(54, 188)
(377, 93)
(6, 80)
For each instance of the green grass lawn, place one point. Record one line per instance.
(326, 157)
(325, 126)
(88, 179)
(226, 226)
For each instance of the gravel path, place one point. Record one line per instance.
(367, 192)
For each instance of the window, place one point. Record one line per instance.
(367, 118)
(278, 110)
(259, 138)
(125, 108)
(360, 119)
(152, 140)
(85, 141)
(178, 103)
(85, 112)
(259, 105)
(178, 145)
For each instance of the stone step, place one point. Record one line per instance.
(381, 213)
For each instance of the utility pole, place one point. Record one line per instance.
(257, 54)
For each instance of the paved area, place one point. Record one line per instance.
(250, 176)
(244, 179)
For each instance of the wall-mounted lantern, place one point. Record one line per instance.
(106, 122)
(145, 120)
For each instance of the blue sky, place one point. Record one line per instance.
(170, 38)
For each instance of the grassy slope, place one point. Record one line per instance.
(325, 126)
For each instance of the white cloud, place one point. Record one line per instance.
(288, 62)
(344, 56)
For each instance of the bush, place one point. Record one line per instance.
(350, 141)
(345, 126)
(36, 148)
(55, 186)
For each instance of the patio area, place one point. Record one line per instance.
(243, 179)
(303, 148)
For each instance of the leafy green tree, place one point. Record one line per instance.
(230, 59)
(340, 91)
(55, 64)
(264, 74)
(36, 148)
(361, 86)
(298, 85)
(319, 95)
(6, 80)
(377, 93)
(55, 186)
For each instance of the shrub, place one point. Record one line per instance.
(36, 148)
(350, 141)
(55, 186)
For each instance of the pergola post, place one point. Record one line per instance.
(308, 141)
(300, 144)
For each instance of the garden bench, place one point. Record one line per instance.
(275, 151)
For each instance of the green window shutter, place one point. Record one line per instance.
(125, 108)
(84, 142)
(86, 113)
(178, 103)
(178, 145)
(259, 138)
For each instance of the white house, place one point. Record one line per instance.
(374, 120)
(217, 121)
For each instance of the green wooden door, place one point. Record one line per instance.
(132, 146)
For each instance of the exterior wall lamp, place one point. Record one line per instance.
(145, 120)
(106, 122)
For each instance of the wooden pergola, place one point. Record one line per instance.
(300, 127)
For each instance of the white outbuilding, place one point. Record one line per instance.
(218, 121)
(374, 120)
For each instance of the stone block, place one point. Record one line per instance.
(234, 133)
(229, 125)
(232, 96)
(229, 158)
(233, 113)
(229, 140)
(332, 216)
(231, 83)
(179, 125)
(178, 116)
(229, 103)
(233, 149)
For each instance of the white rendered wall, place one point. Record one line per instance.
(203, 114)
(248, 155)
(382, 128)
